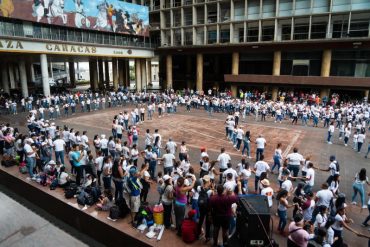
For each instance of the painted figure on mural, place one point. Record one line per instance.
(80, 17)
(6, 7)
(102, 20)
(40, 9)
(110, 14)
(57, 10)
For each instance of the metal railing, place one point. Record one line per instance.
(63, 34)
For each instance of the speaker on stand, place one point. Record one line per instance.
(252, 223)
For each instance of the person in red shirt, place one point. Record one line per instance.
(189, 228)
(220, 206)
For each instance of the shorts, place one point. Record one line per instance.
(135, 203)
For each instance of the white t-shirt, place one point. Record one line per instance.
(287, 185)
(104, 143)
(320, 220)
(59, 145)
(168, 159)
(99, 163)
(261, 166)
(230, 185)
(338, 222)
(361, 138)
(232, 171)
(260, 141)
(245, 174)
(311, 175)
(28, 149)
(223, 160)
(63, 178)
(171, 146)
(295, 159)
(268, 192)
(324, 197)
(239, 133)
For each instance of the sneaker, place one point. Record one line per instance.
(345, 145)
(354, 203)
(364, 206)
(364, 225)
(330, 143)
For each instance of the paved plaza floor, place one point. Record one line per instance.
(200, 130)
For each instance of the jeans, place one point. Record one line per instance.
(167, 170)
(259, 151)
(368, 151)
(246, 147)
(31, 162)
(359, 146)
(59, 155)
(107, 183)
(152, 168)
(329, 136)
(283, 220)
(256, 180)
(203, 216)
(179, 216)
(238, 143)
(79, 175)
(118, 185)
(276, 163)
(167, 213)
(368, 217)
(358, 188)
(294, 169)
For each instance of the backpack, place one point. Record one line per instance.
(114, 212)
(23, 168)
(123, 208)
(70, 191)
(203, 199)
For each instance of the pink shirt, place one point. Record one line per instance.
(299, 237)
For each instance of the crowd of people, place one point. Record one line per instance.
(127, 164)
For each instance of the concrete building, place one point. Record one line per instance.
(33, 50)
(269, 45)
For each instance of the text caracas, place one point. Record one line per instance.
(71, 48)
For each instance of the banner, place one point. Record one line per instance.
(103, 15)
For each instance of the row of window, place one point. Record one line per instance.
(56, 33)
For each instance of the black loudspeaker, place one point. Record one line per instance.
(253, 222)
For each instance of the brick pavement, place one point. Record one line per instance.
(197, 129)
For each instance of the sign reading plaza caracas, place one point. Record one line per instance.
(104, 15)
(13, 45)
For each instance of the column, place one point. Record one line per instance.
(325, 72)
(106, 73)
(326, 63)
(169, 72)
(101, 74)
(72, 74)
(16, 74)
(23, 78)
(138, 74)
(11, 76)
(276, 72)
(149, 71)
(32, 71)
(127, 73)
(51, 70)
(45, 74)
(93, 75)
(199, 82)
(144, 79)
(188, 72)
(121, 72)
(234, 71)
(4, 78)
(115, 73)
(366, 94)
(78, 70)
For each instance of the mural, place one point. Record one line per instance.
(104, 15)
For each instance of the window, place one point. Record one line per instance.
(252, 34)
(268, 33)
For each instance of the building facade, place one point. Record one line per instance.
(269, 45)
(39, 43)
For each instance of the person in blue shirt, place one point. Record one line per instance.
(77, 156)
(134, 187)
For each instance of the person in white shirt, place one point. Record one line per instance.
(59, 146)
(310, 178)
(104, 145)
(267, 191)
(168, 160)
(172, 146)
(295, 160)
(360, 140)
(231, 171)
(99, 165)
(330, 132)
(30, 156)
(259, 167)
(230, 183)
(239, 138)
(260, 145)
(223, 159)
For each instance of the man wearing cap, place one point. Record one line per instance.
(267, 191)
(134, 186)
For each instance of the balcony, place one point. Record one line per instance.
(56, 33)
